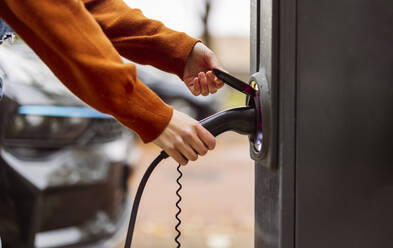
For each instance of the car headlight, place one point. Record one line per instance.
(48, 126)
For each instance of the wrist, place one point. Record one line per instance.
(188, 53)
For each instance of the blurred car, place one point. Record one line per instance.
(64, 167)
(173, 91)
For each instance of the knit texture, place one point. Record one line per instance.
(81, 42)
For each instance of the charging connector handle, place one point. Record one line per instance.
(234, 82)
(240, 120)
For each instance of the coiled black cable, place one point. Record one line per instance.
(178, 207)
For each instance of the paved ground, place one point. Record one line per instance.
(218, 199)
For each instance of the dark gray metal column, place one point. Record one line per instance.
(344, 167)
(331, 63)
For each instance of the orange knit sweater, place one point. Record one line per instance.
(81, 42)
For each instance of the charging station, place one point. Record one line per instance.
(329, 71)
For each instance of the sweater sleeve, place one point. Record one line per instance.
(140, 39)
(70, 41)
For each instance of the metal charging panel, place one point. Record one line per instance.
(331, 65)
(263, 145)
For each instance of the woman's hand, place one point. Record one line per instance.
(198, 75)
(184, 139)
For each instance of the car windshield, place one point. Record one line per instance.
(18, 63)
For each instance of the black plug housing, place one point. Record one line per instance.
(248, 120)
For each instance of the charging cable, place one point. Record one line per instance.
(138, 196)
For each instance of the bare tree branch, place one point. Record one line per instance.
(205, 21)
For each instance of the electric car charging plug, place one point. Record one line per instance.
(235, 83)
(241, 120)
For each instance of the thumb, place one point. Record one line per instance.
(207, 138)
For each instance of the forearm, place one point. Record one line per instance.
(71, 43)
(140, 39)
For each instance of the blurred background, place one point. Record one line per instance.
(224, 25)
(67, 171)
